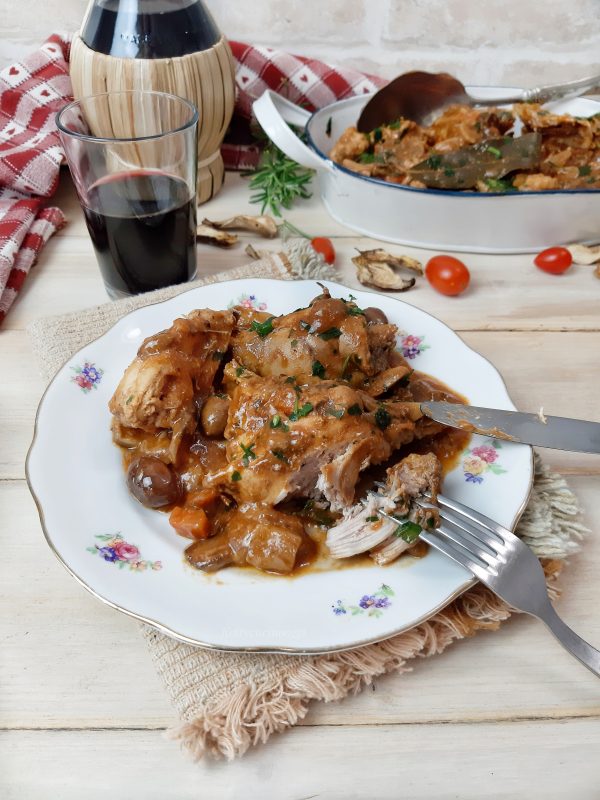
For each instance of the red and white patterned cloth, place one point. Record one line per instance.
(33, 90)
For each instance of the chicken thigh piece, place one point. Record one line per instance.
(173, 368)
(330, 339)
(288, 438)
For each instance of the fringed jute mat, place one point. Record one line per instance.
(230, 701)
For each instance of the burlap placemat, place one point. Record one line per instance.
(230, 701)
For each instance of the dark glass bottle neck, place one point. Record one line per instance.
(149, 28)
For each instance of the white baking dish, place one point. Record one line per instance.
(439, 220)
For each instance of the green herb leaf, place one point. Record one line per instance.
(366, 158)
(290, 379)
(236, 476)
(354, 410)
(239, 371)
(585, 169)
(404, 381)
(318, 370)
(409, 531)
(494, 151)
(262, 328)
(278, 180)
(275, 421)
(280, 455)
(248, 451)
(330, 333)
(374, 518)
(298, 413)
(382, 418)
(355, 311)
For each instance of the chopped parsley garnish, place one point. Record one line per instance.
(404, 381)
(355, 311)
(318, 370)
(219, 355)
(280, 455)
(236, 476)
(374, 518)
(275, 421)
(301, 411)
(330, 333)
(584, 170)
(494, 151)
(377, 135)
(395, 124)
(291, 379)
(239, 371)
(409, 531)
(248, 452)
(448, 172)
(262, 328)
(354, 410)
(433, 162)
(382, 418)
(304, 325)
(499, 184)
(366, 158)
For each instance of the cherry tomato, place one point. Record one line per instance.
(324, 246)
(447, 275)
(554, 260)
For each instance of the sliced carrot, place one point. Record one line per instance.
(202, 498)
(190, 522)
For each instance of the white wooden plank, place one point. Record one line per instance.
(552, 760)
(507, 292)
(63, 651)
(533, 365)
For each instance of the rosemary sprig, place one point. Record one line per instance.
(278, 180)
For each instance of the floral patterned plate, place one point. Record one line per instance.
(103, 536)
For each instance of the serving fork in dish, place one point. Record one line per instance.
(503, 563)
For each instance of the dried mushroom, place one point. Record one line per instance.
(584, 254)
(208, 235)
(263, 225)
(255, 254)
(380, 269)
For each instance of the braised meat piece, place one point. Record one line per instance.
(171, 371)
(288, 437)
(254, 534)
(363, 529)
(330, 339)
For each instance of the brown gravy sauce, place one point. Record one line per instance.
(200, 454)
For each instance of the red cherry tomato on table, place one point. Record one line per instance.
(447, 275)
(324, 246)
(554, 260)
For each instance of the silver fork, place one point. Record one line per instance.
(505, 565)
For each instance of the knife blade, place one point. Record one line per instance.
(558, 433)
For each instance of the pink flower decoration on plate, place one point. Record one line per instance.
(485, 452)
(126, 551)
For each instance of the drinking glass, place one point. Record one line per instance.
(133, 159)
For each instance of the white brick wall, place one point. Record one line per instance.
(521, 42)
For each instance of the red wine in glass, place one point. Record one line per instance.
(143, 228)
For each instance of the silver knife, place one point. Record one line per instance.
(559, 433)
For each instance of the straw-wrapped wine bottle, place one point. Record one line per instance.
(164, 45)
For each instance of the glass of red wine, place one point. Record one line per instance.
(133, 159)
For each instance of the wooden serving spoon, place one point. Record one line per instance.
(421, 96)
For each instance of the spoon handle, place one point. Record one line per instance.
(547, 94)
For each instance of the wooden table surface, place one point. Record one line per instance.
(506, 714)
